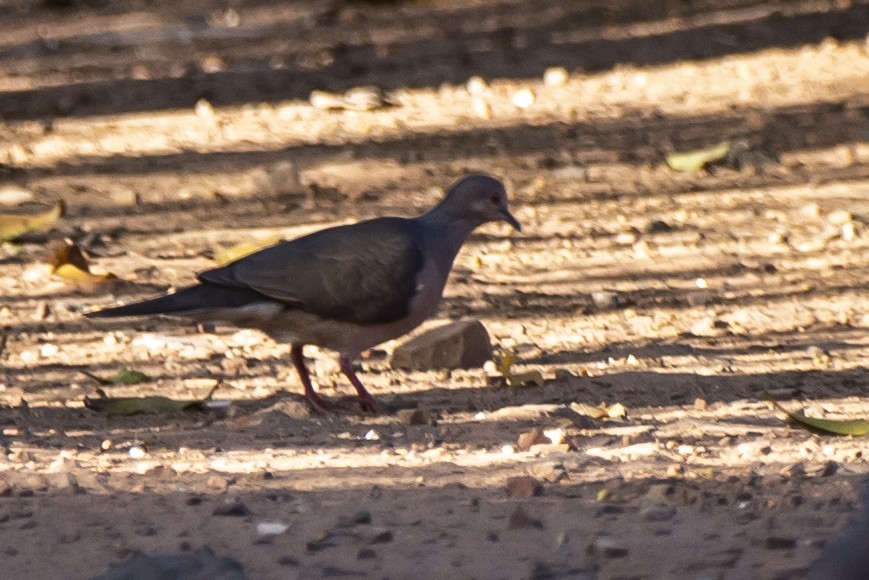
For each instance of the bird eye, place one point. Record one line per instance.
(495, 198)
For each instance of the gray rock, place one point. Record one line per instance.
(459, 345)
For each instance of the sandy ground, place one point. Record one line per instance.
(173, 130)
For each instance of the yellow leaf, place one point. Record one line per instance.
(75, 274)
(241, 250)
(588, 410)
(616, 410)
(69, 263)
(12, 226)
(534, 377)
(697, 159)
(505, 363)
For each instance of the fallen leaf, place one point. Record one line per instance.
(588, 410)
(505, 363)
(68, 262)
(697, 159)
(114, 406)
(856, 427)
(12, 226)
(614, 411)
(233, 253)
(532, 377)
(130, 377)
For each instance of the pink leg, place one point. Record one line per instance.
(315, 400)
(367, 402)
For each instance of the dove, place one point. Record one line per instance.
(346, 288)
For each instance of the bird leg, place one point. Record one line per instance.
(315, 400)
(367, 402)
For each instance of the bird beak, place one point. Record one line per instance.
(508, 217)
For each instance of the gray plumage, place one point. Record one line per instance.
(346, 288)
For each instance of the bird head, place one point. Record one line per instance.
(479, 199)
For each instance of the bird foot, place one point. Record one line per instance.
(325, 406)
(319, 404)
(370, 405)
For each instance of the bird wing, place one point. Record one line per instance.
(364, 273)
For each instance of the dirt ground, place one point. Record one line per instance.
(173, 130)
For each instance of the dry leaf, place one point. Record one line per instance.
(588, 410)
(69, 263)
(12, 226)
(614, 411)
(505, 364)
(697, 159)
(243, 249)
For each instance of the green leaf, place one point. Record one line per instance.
(856, 427)
(124, 406)
(12, 226)
(130, 377)
(697, 159)
(122, 377)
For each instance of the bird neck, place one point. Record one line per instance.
(447, 232)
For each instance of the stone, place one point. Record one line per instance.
(459, 345)
(605, 548)
(524, 486)
(414, 417)
(529, 438)
(232, 509)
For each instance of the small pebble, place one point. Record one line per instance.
(606, 300)
(607, 548)
(529, 438)
(779, 543)
(476, 85)
(556, 76)
(658, 513)
(217, 483)
(481, 107)
(839, 217)
(520, 519)
(136, 452)
(383, 537)
(271, 528)
(362, 517)
(810, 210)
(231, 509)
(524, 486)
(523, 98)
(413, 417)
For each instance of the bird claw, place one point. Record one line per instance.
(319, 404)
(325, 406)
(370, 405)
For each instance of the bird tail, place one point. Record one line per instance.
(185, 301)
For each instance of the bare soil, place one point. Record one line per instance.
(173, 130)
